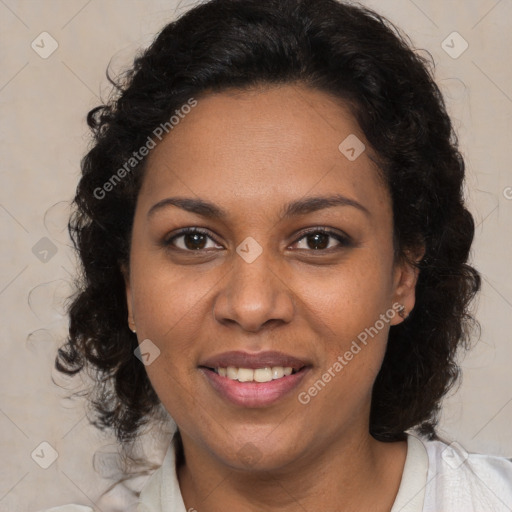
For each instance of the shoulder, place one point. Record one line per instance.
(460, 480)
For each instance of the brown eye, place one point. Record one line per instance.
(194, 241)
(191, 239)
(320, 239)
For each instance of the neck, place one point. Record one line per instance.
(356, 471)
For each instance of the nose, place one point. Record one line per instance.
(254, 295)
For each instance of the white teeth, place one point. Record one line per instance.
(245, 374)
(258, 375)
(277, 372)
(232, 373)
(263, 375)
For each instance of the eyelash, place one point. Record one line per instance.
(344, 240)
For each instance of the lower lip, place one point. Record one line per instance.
(254, 394)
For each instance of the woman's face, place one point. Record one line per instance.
(292, 268)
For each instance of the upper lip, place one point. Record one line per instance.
(240, 359)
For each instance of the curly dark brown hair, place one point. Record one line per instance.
(351, 53)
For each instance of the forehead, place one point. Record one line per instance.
(272, 143)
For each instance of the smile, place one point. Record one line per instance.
(255, 375)
(254, 379)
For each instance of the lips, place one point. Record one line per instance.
(241, 359)
(255, 393)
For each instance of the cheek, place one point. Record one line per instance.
(352, 298)
(167, 300)
(168, 308)
(353, 339)
(348, 306)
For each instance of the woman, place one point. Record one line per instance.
(274, 243)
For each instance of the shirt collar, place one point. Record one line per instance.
(411, 493)
(162, 491)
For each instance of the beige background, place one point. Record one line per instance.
(43, 107)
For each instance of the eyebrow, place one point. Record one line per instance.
(295, 208)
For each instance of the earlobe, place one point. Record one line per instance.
(406, 279)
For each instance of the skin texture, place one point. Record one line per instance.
(250, 153)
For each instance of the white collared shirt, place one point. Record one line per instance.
(437, 478)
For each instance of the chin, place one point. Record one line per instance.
(256, 453)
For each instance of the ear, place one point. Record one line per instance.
(405, 277)
(126, 275)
